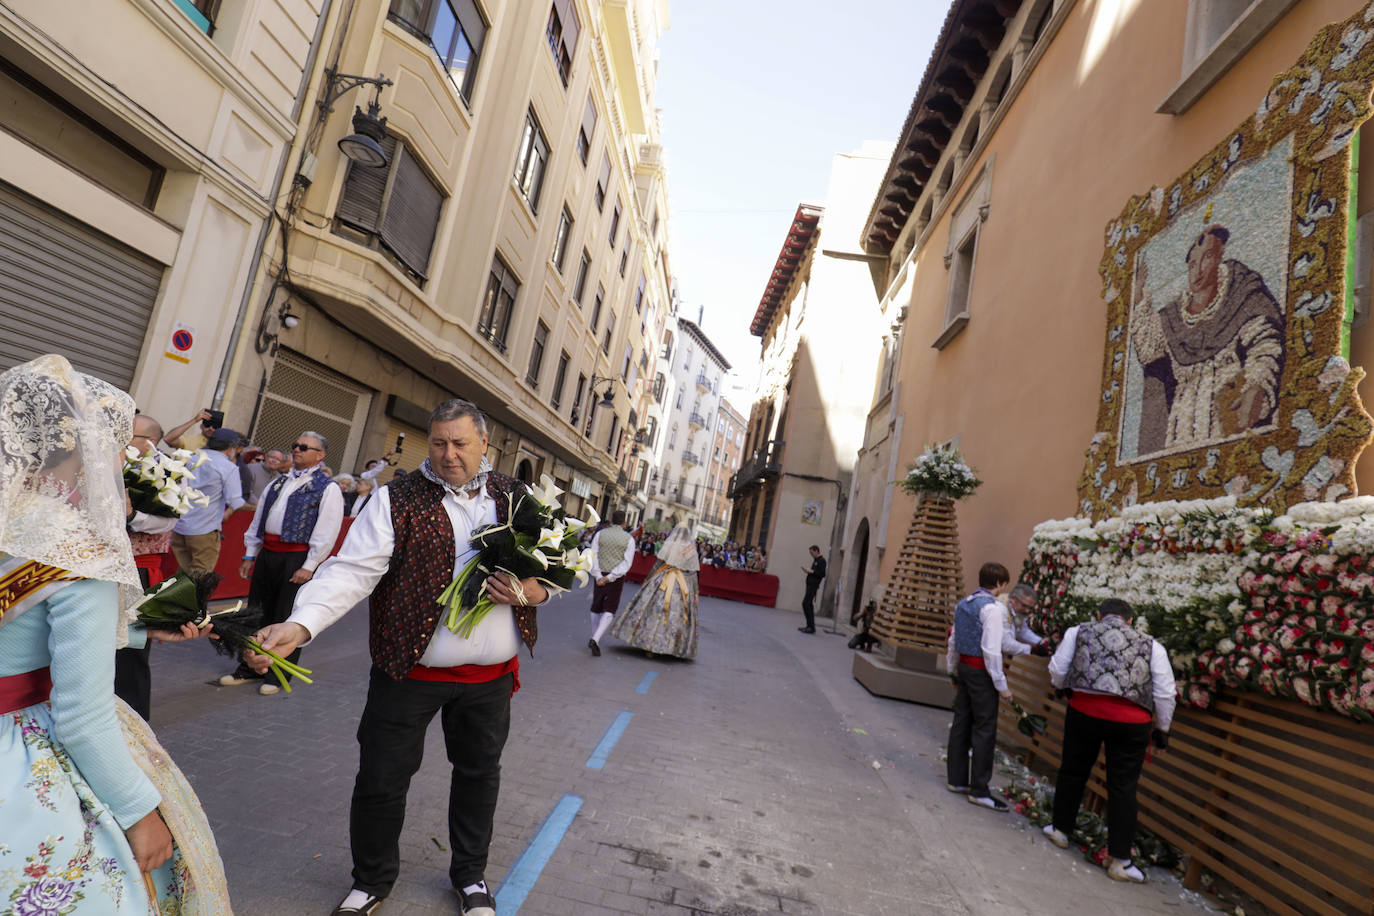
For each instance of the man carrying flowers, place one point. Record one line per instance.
(406, 547)
(1120, 680)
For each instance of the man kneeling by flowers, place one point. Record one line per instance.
(1119, 680)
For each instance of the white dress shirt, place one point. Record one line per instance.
(327, 523)
(620, 568)
(348, 578)
(1162, 687)
(1000, 637)
(143, 523)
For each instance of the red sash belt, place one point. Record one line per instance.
(275, 544)
(1111, 708)
(470, 674)
(20, 690)
(974, 661)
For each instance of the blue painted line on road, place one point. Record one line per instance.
(644, 684)
(603, 750)
(526, 870)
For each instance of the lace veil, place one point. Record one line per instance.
(62, 433)
(680, 550)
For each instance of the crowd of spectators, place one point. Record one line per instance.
(728, 555)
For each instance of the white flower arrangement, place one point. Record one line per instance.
(941, 471)
(160, 484)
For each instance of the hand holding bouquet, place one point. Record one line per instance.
(1028, 724)
(537, 541)
(160, 484)
(184, 600)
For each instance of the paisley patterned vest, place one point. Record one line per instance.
(1110, 656)
(405, 604)
(302, 507)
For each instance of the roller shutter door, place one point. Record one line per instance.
(303, 395)
(67, 288)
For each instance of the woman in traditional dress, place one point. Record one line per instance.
(661, 619)
(82, 779)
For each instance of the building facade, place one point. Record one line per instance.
(135, 200)
(988, 234)
(726, 446)
(511, 248)
(817, 327)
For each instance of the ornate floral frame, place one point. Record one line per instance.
(1320, 426)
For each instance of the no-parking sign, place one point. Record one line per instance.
(182, 342)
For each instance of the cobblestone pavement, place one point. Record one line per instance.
(744, 783)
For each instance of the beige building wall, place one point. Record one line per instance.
(214, 112)
(1076, 133)
(395, 334)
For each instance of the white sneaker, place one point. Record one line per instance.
(230, 680)
(1056, 836)
(268, 689)
(1123, 871)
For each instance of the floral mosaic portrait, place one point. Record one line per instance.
(1225, 369)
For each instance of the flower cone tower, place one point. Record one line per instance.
(918, 604)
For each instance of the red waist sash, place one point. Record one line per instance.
(20, 690)
(470, 674)
(274, 543)
(1111, 708)
(974, 661)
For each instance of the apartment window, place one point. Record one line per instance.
(639, 294)
(603, 182)
(653, 229)
(667, 346)
(560, 239)
(610, 331)
(585, 132)
(960, 254)
(532, 161)
(624, 259)
(560, 375)
(615, 429)
(395, 208)
(596, 307)
(577, 397)
(659, 383)
(498, 304)
(629, 360)
(201, 12)
(584, 267)
(455, 29)
(1218, 33)
(651, 432)
(541, 340)
(615, 226)
(562, 36)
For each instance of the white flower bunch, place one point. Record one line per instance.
(160, 484)
(941, 471)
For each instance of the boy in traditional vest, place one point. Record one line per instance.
(1120, 680)
(612, 551)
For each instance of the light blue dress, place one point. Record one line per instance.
(68, 784)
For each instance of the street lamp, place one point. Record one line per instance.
(607, 399)
(364, 145)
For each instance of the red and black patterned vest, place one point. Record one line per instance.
(405, 604)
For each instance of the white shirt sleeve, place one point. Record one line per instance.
(992, 615)
(344, 580)
(251, 542)
(594, 549)
(1028, 636)
(144, 523)
(623, 566)
(327, 524)
(951, 657)
(233, 485)
(1063, 657)
(375, 471)
(1011, 639)
(1163, 687)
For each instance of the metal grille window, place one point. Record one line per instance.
(455, 29)
(603, 182)
(584, 267)
(560, 239)
(301, 395)
(541, 339)
(596, 307)
(562, 36)
(498, 304)
(585, 131)
(532, 161)
(560, 375)
(395, 209)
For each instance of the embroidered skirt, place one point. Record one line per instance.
(662, 616)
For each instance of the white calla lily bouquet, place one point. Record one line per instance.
(538, 540)
(160, 484)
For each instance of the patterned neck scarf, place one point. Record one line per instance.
(475, 485)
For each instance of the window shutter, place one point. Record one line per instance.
(589, 118)
(473, 25)
(412, 213)
(568, 14)
(604, 179)
(360, 205)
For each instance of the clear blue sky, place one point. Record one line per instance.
(757, 96)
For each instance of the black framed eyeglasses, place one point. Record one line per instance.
(302, 447)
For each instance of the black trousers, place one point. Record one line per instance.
(606, 598)
(391, 744)
(133, 682)
(809, 603)
(271, 589)
(974, 728)
(1126, 744)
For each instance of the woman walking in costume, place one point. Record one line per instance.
(661, 619)
(82, 779)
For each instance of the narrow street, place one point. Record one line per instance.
(760, 778)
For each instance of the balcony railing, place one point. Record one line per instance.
(704, 383)
(690, 457)
(764, 464)
(696, 420)
(621, 479)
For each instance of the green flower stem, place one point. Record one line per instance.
(280, 664)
